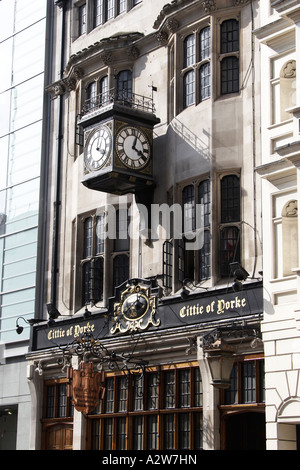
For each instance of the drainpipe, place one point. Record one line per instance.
(59, 137)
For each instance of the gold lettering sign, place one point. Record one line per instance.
(215, 307)
(73, 331)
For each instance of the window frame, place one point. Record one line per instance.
(99, 12)
(192, 92)
(156, 413)
(225, 56)
(193, 257)
(225, 225)
(90, 258)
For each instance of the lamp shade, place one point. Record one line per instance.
(220, 358)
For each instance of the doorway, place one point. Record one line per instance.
(59, 437)
(244, 431)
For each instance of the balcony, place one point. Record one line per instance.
(123, 102)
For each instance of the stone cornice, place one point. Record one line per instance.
(107, 46)
(209, 6)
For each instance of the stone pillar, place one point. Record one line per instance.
(36, 384)
(211, 415)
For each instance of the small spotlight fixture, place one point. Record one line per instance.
(52, 311)
(184, 293)
(240, 274)
(87, 313)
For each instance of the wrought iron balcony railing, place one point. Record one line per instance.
(114, 96)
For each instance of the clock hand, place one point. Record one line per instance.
(134, 144)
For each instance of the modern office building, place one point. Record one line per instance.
(23, 154)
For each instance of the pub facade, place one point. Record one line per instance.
(149, 334)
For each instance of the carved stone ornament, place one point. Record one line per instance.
(241, 2)
(57, 89)
(161, 37)
(172, 25)
(106, 58)
(133, 52)
(290, 209)
(289, 70)
(209, 6)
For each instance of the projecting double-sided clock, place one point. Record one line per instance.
(98, 148)
(133, 147)
(118, 151)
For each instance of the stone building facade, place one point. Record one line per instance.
(279, 39)
(172, 156)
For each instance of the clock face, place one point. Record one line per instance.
(135, 306)
(133, 147)
(98, 148)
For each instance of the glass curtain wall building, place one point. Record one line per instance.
(22, 50)
(22, 84)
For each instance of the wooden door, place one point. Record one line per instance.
(59, 437)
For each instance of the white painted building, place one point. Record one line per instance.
(279, 42)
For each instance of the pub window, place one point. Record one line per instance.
(167, 264)
(105, 10)
(96, 94)
(82, 19)
(247, 383)
(230, 214)
(196, 67)
(195, 264)
(92, 260)
(91, 96)
(229, 48)
(57, 402)
(103, 92)
(124, 84)
(163, 410)
(98, 12)
(121, 248)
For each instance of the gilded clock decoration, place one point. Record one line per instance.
(98, 148)
(135, 311)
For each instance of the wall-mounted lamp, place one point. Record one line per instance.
(221, 345)
(32, 321)
(220, 358)
(240, 274)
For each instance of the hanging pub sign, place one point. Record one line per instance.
(87, 388)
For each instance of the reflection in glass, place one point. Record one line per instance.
(25, 153)
(29, 53)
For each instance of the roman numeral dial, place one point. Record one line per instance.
(133, 147)
(98, 148)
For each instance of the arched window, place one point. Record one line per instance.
(230, 62)
(91, 96)
(230, 213)
(124, 84)
(103, 90)
(189, 50)
(189, 88)
(229, 75)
